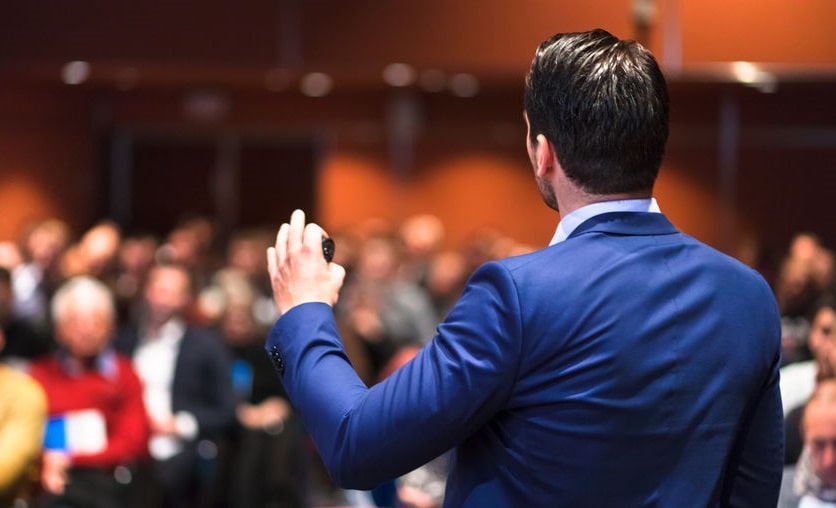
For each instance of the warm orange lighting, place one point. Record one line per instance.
(23, 201)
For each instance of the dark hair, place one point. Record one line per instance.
(602, 103)
(826, 300)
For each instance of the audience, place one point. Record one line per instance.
(97, 430)
(221, 432)
(266, 465)
(798, 379)
(804, 274)
(384, 311)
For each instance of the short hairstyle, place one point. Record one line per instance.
(602, 103)
(826, 300)
(82, 290)
(824, 397)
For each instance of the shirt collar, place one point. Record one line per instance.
(105, 364)
(170, 332)
(577, 217)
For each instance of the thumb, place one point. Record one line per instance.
(337, 273)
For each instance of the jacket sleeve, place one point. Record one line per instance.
(451, 388)
(753, 475)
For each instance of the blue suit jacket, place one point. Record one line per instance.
(629, 365)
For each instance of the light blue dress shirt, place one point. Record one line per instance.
(576, 218)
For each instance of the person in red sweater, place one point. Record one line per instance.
(97, 432)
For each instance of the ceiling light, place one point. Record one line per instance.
(751, 75)
(745, 72)
(205, 105)
(316, 84)
(75, 73)
(398, 74)
(464, 85)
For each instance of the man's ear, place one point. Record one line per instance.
(545, 157)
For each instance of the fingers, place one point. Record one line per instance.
(297, 236)
(281, 243)
(295, 231)
(272, 267)
(277, 254)
(313, 237)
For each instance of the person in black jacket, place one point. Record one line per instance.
(189, 396)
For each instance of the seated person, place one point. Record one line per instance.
(97, 430)
(23, 342)
(187, 387)
(812, 482)
(22, 418)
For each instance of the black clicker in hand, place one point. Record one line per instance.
(328, 249)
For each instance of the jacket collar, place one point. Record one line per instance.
(626, 223)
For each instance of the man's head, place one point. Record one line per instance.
(819, 430)
(84, 316)
(603, 105)
(822, 339)
(168, 292)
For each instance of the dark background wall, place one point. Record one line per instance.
(176, 116)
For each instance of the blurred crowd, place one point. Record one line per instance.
(74, 308)
(150, 378)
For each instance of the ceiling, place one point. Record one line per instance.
(255, 44)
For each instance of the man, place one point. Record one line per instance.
(813, 481)
(187, 382)
(626, 364)
(97, 432)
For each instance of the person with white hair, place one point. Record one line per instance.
(97, 431)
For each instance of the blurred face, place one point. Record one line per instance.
(823, 340)
(84, 330)
(167, 293)
(137, 254)
(820, 438)
(248, 256)
(446, 273)
(44, 246)
(378, 259)
(237, 324)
